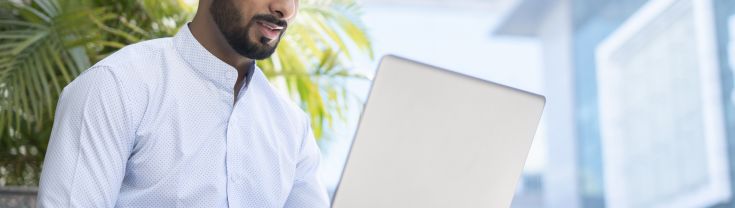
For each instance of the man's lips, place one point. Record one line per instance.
(269, 30)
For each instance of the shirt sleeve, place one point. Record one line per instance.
(308, 190)
(89, 146)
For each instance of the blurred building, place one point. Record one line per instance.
(640, 107)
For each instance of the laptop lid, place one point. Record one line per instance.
(429, 137)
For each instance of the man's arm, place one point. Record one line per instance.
(89, 145)
(308, 190)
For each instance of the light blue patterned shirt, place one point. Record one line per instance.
(154, 125)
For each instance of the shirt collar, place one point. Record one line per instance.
(205, 63)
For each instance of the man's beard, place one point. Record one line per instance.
(228, 20)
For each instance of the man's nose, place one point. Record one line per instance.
(283, 9)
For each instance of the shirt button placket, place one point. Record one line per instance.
(233, 178)
(231, 163)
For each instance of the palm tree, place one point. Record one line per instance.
(44, 44)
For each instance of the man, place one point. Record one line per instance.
(187, 121)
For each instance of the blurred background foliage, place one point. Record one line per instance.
(45, 44)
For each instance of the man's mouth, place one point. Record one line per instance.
(269, 30)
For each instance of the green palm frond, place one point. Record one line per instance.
(129, 21)
(313, 60)
(42, 51)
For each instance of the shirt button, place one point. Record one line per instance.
(232, 74)
(212, 87)
(233, 179)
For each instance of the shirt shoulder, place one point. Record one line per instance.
(144, 59)
(136, 71)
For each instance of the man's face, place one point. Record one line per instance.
(253, 27)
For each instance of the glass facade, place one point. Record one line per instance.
(592, 22)
(725, 32)
(651, 101)
(652, 106)
(661, 122)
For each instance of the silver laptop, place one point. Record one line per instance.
(429, 137)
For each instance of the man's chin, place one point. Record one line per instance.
(257, 50)
(258, 54)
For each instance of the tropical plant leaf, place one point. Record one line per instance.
(36, 53)
(315, 55)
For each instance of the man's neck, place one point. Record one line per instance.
(205, 31)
